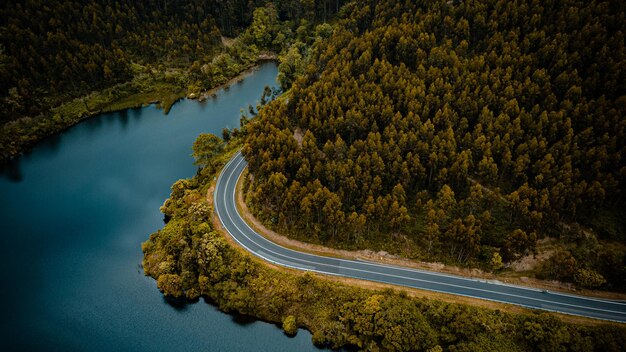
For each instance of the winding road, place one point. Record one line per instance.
(226, 209)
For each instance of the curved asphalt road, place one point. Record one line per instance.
(258, 245)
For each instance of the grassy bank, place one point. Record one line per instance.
(190, 258)
(148, 86)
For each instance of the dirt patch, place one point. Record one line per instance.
(267, 56)
(529, 262)
(227, 42)
(298, 136)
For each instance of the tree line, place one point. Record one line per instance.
(54, 50)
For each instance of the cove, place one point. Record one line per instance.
(74, 213)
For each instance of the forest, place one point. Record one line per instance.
(191, 259)
(62, 61)
(456, 131)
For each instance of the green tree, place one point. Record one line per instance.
(517, 243)
(170, 285)
(264, 27)
(291, 65)
(496, 261)
(289, 325)
(205, 148)
(588, 278)
(560, 266)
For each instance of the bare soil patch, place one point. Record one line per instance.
(227, 42)
(530, 261)
(298, 136)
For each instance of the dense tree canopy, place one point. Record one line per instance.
(67, 47)
(62, 61)
(463, 127)
(59, 49)
(206, 147)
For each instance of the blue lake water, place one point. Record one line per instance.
(74, 213)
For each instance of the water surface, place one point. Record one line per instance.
(74, 213)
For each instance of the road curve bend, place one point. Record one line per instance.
(226, 209)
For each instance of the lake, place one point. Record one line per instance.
(74, 213)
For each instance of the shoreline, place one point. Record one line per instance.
(17, 144)
(210, 93)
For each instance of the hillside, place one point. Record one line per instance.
(460, 132)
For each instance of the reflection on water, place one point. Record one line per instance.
(178, 304)
(135, 113)
(49, 146)
(123, 117)
(243, 320)
(11, 170)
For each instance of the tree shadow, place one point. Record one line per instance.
(12, 170)
(49, 146)
(124, 118)
(136, 112)
(242, 319)
(237, 318)
(179, 304)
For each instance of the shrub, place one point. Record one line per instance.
(289, 325)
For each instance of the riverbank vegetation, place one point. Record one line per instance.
(62, 61)
(190, 259)
(459, 132)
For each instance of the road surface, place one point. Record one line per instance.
(226, 209)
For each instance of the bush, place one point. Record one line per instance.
(560, 266)
(170, 285)
(588, 278)
(289, 325)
